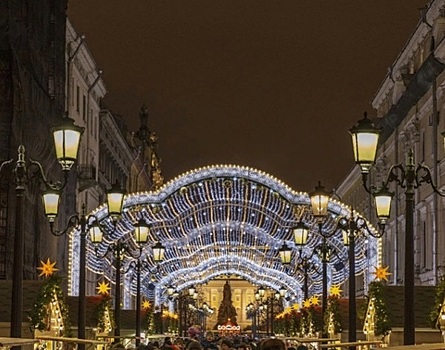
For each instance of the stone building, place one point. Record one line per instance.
(32, 99)
(107, 153)
(409, 106)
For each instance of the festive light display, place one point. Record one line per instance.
(222, 220)
(47, 268)
(146, 304)
(315, 301)
(382, 273)
(49, 314)
(335, 291)
(376, 322)
(104, 316)
(103, 288)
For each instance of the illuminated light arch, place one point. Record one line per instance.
(203, 214)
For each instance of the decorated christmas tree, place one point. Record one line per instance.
(437, 315)
(103, 314)
(311, 316)
(333, 317)
(49, 315)
(226, 310)
(376, 322)
(148, 319)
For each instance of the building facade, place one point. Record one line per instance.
(32, 69)
(409, 107)
(107, 153)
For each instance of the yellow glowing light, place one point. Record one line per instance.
(382, 273)
(146, 304)
(103, 288)
(296, 306)
(47, 269)
(307, 303)
(335, 291)
(314, 300)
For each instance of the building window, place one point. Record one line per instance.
(78, 98)
(84, 111)
(424, 244)
(72, 93)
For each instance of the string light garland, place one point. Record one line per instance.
(222, 220)
(103, 315)
(377, 321)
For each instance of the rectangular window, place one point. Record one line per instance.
(78, 98)
(72, 92)
(424, 244)
(84, 111)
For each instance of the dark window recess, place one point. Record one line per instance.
(3, 229)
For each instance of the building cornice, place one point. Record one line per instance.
(402, 61)
(84, 61)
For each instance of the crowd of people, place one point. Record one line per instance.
(211, 341)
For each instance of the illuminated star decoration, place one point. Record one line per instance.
(335, 291)
(47, 269)
(103, 288)
(381, 273)
(314, 300)
(296, 306)
(307, 303)
(146, 304)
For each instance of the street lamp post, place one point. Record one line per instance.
(250, 313)
(115, 199)
(138, 303)
(319, 203)
(324, 249)
(182, 304)
(351, 226)
(66, 139)
(301, 233)
(51, 204)
(365, 137)
(267, 305)
(306, 265)
(256, 312)
(141, 235)
(73, 221)
(117, 249)
(352, 331)
(277, 296)
(117, 252)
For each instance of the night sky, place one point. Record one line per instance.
(270, 84)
